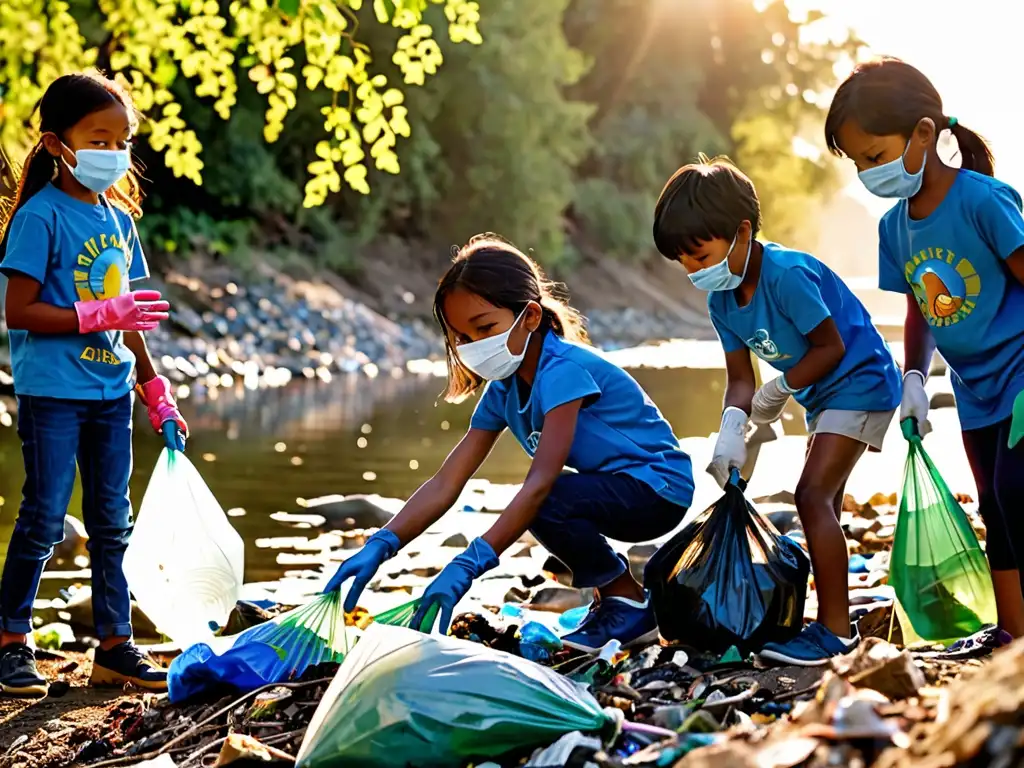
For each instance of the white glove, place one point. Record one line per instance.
(730, 448)
(915, 401)
(770, 401)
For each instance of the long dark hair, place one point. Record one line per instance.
(887, 97)
(498, 272)
(67, 100)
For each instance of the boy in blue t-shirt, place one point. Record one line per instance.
(800, 318)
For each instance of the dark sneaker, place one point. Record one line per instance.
(125, 663)
(989, 638)
(813, 647)
(18, 673)
(614, 618)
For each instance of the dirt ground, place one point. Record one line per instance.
(46, 733)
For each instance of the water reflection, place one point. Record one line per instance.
(262, 451)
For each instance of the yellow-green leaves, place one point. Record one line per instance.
(153, 43)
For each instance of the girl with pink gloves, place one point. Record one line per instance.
(70, 251)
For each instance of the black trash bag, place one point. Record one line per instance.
(728, 578)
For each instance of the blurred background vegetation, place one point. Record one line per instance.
(554, 122)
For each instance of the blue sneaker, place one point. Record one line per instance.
(813, 647)
(614, 618)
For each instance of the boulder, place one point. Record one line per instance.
(349, 513)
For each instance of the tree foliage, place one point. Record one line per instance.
(150, 44)
(569, 117)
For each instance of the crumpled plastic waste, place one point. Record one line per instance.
(728, 578)
(276, 651)
(184, 561)
(938, 570)
(403, 697)
(537, 642)
(567, 748)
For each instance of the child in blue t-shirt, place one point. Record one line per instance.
(567, 406)
(800, 318)
(70, 251)
(954, 244)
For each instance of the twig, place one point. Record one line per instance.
(281, 737)
(204, 750)
(795, 694)
(128, 759)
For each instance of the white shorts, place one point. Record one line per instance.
(868, 427)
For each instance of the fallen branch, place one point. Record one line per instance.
(193, 731)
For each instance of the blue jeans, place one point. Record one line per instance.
(584, 508)
(54, 434)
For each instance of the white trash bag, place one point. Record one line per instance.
(184, 559)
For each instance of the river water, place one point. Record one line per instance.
(262, 451)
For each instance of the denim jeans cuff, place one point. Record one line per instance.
(16, 626)
(114, 630)
(600, 578)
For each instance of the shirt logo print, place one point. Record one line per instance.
(945, 285)
(532, 442)
(764, 347)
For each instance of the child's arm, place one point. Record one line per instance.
(740, 383)
(918, 342)
(548, 462)
(136, 342)
(822, 357)
(436, 496)
(25, 312)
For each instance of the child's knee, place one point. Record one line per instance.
(39, 532)
(813, 499)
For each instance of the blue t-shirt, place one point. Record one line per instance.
(619, 428)
(795, 294)
(77, 252)
(953, 262)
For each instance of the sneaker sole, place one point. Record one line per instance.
(645, 639)
(781, 658)
(103, 678)
(25, 691)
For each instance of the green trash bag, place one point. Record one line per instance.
(184, 560)
(404, 698)
(938, 570)
(401, 616)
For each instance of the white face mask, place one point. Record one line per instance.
(491, 358)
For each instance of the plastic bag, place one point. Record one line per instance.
(184, 560)
(938, 570)
(728, 578)
(404, 698)
(276, 651)
(401, 616)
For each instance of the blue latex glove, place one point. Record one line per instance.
(174, 438)
(361, 567)
(452, 584)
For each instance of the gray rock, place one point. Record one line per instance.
(350, 513)
(782, 497)
(785, 520)
(943, 400)
(457, 540)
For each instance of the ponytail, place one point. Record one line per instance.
(975, 153)
(39, 170)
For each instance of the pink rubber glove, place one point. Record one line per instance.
(136, 311)
(160, 405)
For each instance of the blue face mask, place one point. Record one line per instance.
(100, 169)
(892, 179)
(719, 277)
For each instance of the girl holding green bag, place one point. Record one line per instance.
(954, 244)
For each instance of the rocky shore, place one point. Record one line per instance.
(271, 329)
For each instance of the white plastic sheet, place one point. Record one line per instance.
(184, 560)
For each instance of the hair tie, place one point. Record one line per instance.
(953, 121)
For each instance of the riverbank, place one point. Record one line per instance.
(267, 326)
(873, 708)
